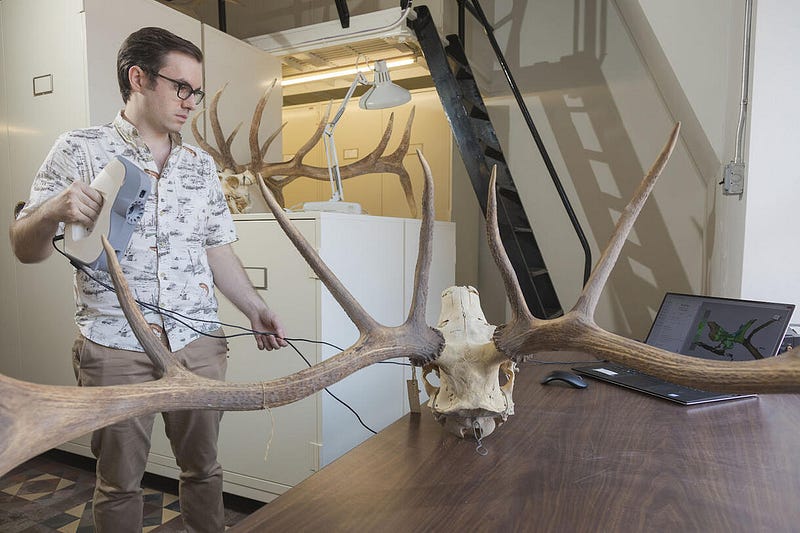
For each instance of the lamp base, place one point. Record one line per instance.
(333, 206)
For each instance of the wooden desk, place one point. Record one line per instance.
(599, 459)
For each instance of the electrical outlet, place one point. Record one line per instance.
(733, 178)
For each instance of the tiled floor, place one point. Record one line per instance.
(53, 492)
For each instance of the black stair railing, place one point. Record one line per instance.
(474, 7)
(480, 150)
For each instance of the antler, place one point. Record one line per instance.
(372, 163)
(278, 175)
(34, 418)
(525, 335)
(223, 156)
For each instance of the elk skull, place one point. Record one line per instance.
(236, 188)
(470, 399)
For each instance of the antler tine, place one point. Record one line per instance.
(268, 142)
(587, 302)
(163, 360)
(314, 139)
(255, 124)
(519, 308)
(381, 147)
(408, 190)
(363, 321)
(201, 140)
(392, 163)
(419, 299)
(229, 142)
(226, 157)
(405, 141)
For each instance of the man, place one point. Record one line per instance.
(179, 251)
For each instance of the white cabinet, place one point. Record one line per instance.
(374, 257)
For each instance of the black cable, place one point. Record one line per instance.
(332, 394)
(476, 11)
(247, 332)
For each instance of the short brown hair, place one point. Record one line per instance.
(146, 48)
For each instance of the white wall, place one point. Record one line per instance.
(772, 185)
(748, 238)
(603, 121)
(701, 41)
(694, 50)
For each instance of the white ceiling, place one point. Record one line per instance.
(253, 18)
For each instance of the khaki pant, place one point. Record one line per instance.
(121, 449)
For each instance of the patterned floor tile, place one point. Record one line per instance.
(53, 493)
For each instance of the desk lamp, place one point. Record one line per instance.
(382, 94)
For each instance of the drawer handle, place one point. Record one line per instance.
(258, 277)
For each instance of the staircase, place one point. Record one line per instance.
(480, 151)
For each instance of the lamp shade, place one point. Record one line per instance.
(383, 92)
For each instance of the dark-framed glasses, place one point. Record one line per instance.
(184, 89)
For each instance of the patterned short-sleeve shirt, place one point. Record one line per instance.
(165, 262)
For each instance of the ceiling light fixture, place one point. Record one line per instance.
(345, 71)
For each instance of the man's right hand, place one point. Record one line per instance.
(77, 204)
(31, 235)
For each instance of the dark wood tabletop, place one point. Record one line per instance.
(599, 459)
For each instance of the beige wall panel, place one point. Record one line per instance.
(249, 72)
(9, 324)
(50, 34)
(603, 121)
(108, 23)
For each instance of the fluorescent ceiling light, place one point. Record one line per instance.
(345, 71)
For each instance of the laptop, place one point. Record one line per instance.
(720, 329)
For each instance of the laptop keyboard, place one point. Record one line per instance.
(629, 377)
(652, 380)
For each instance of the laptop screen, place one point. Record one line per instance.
(720, 329)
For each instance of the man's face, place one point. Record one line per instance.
(164, 110)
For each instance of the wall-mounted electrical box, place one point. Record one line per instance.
(733, 178)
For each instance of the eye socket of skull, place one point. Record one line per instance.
(506, 374)
(430, 388)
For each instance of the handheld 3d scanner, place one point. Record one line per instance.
(125, 188)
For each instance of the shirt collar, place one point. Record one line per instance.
(130, 134)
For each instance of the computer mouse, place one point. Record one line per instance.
(567, 377)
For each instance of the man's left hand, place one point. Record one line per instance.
(267, 321)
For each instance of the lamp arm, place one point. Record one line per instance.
(334, 175)
(333, 167)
